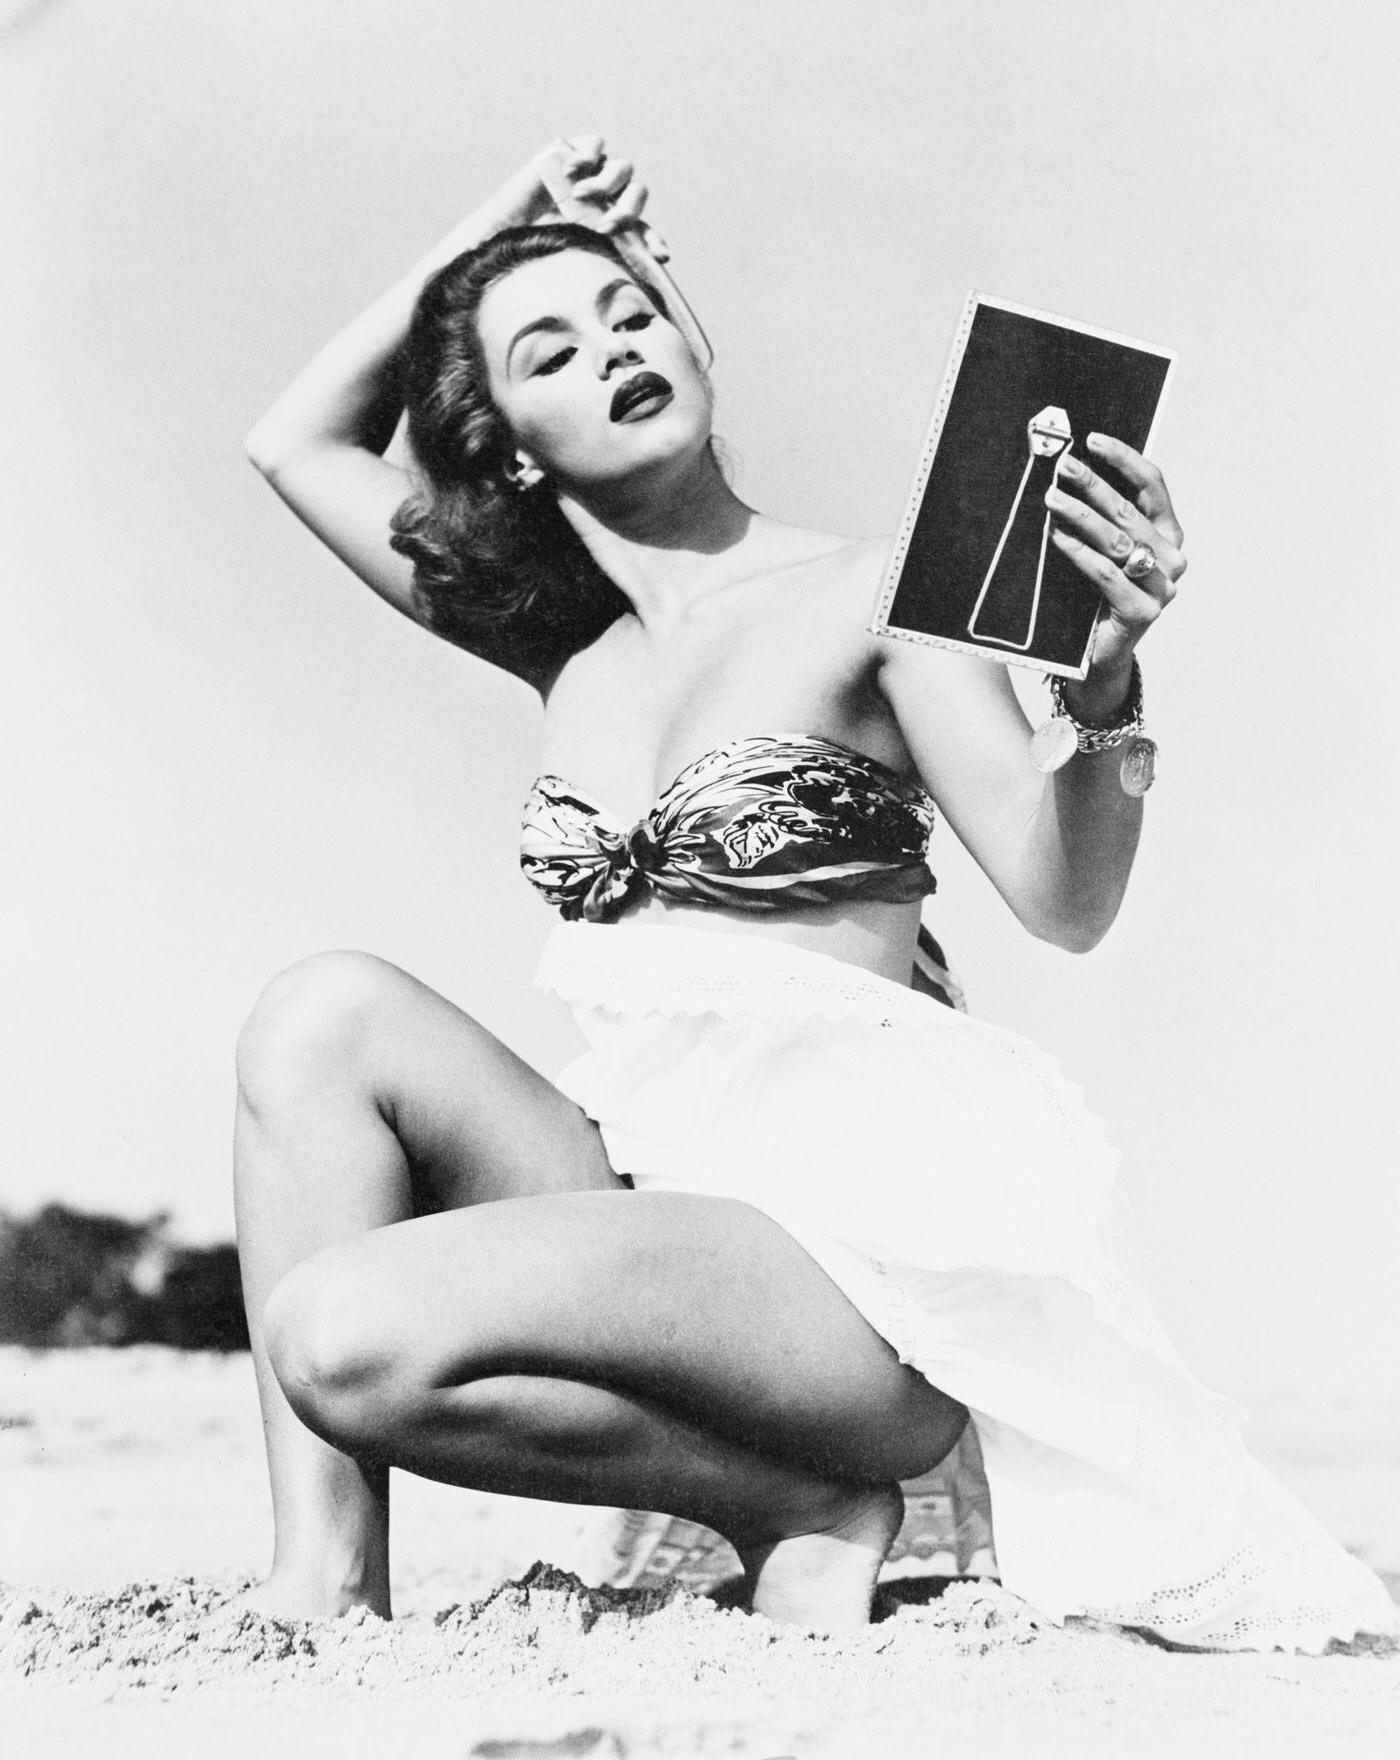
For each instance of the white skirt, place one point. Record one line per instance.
(953, 1185)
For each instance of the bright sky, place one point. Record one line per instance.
(221, 753)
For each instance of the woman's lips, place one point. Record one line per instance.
(641, 395)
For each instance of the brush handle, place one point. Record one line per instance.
(632, 248)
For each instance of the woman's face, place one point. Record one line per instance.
(595, 384)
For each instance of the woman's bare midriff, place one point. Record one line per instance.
(878, 937)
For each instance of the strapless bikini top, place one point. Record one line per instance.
(760, 824)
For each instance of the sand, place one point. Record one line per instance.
(135, 1507)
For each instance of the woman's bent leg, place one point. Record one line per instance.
(362, 1097)
(672, 1351)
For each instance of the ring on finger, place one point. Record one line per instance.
(1139, 562)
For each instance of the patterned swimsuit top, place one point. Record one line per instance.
(759, 824)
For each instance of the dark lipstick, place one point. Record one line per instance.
(639, 395)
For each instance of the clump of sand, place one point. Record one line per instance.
(537, 1630)
(544, 1665)
(142, 1464)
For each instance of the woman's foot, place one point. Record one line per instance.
(822, 1575)
(309, 1594)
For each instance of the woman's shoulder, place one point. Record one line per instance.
(838, 594)
(783, 570)
(831, 556)
(837, 574)
(847, 575)
(829, 574)
(821, 602)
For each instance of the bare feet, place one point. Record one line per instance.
(287, 1594)
(823, 1576)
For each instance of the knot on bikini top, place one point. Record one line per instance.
(758, 824)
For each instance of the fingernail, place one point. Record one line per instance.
(1096, 441)
(1071, 467)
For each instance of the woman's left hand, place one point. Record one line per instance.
(1099, 529)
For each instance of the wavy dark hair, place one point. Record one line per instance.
(499, 572)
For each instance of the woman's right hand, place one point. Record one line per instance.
(603, 184)
(322, 443)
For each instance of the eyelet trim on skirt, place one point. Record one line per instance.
(663, 969)
(954, 1185)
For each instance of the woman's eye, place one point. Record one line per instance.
(637, 321)
(553, 362)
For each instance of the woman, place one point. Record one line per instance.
(787, 1220)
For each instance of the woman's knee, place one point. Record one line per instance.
(334, 1356)
(316, 1016)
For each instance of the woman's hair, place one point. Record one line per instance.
(497, 570)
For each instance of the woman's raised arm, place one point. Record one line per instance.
(321, 444)
(1058, 848)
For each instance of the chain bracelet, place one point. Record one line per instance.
(1093, 737)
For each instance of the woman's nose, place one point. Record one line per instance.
(616, 351)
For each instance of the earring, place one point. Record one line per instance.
(527, 477)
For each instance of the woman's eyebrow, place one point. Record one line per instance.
(613, 287)
(532, 328)
(553, 325)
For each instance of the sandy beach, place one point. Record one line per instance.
(137, 1505)
(225, 753)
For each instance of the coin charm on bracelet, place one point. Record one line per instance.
(1137, 769)
(1053, 744)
